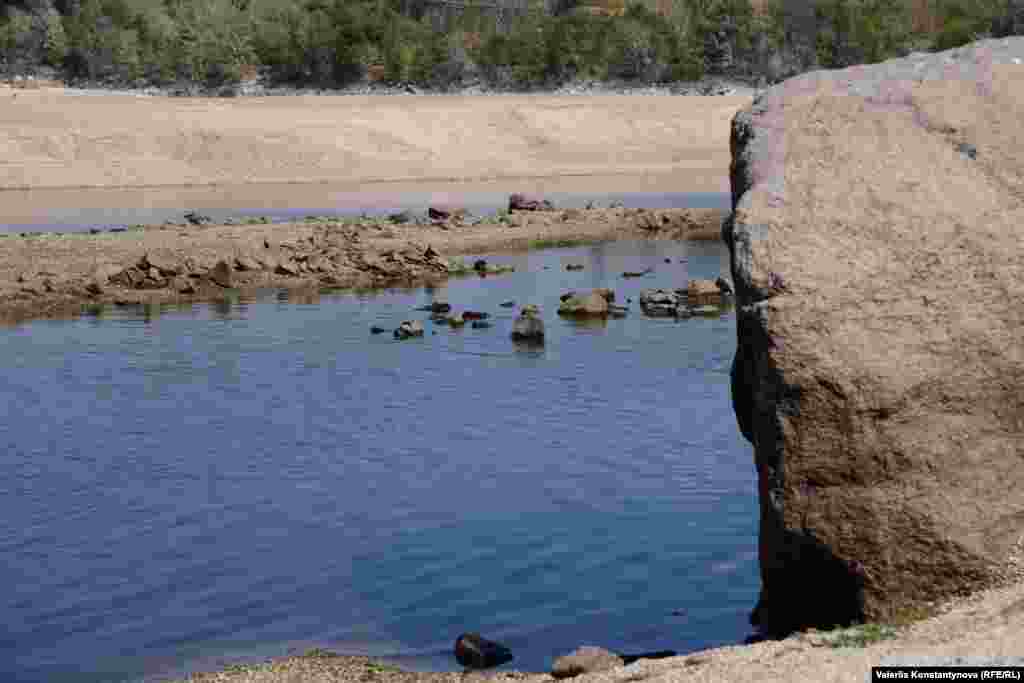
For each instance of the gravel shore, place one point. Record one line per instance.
(47, 274)
(986, 628)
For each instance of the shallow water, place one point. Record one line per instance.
(75, 210)
(185, 487)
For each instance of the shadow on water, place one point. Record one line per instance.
(283, 479)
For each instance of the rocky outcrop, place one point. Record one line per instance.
(879, 274)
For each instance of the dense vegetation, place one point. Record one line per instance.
(335, 42)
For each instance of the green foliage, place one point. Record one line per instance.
(964, 21)
(56, 41)
(861, 636)
(332, 42)
(15, 36)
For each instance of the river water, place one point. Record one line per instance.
(71, 210)
(184, 487)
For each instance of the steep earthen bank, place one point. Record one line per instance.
(878, 256)
(56, 274)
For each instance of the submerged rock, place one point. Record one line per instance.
(409, 328)
(473, 651)
(585, 660)
(593, 304)
(528, 327)
(638, 273)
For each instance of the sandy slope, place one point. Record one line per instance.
(54, 138)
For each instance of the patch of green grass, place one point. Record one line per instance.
(319, 653)
(379, 668)
(255, 220)
(556, 242)
(861, 636)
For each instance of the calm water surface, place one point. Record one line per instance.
(185, 487)
(71, 210)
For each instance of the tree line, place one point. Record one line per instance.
(329, 43)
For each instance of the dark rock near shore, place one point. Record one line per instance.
(585, 660)
(445, 212)
(475, 315)
(196, 218)
(878, 370)
(223, 275)
(529, 202)
(473, 651)
(657, 654)
(440, 307)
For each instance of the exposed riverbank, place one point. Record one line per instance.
(56, 274)
(984, 628)
(54, 139)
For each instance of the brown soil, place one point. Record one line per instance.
(56, 274)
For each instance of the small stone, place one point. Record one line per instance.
(587, 659)
(528, 327)
(222, 274)
(481, 325)
(245, 263)
(409, 328)
(440, 307)
(507, 304)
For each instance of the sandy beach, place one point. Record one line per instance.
(52, 138)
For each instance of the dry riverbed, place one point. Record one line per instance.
(44, 275)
